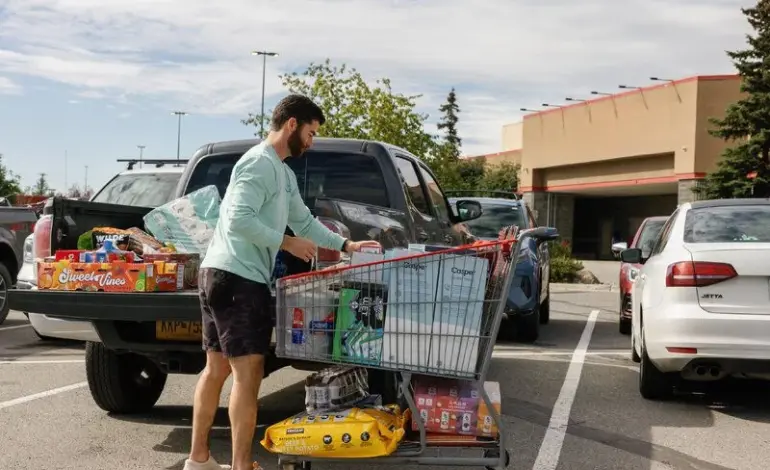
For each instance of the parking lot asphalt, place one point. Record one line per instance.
(570, 402)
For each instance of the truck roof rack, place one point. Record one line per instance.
(157, 162)
(481, 193)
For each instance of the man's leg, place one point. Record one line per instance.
(247, 378)
(209, 387)
(206, 402)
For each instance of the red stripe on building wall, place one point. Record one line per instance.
(614, 184)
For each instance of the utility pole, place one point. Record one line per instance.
(264, 55)
(141, 152)
(66, 188)
(85, 184)
(179, 115)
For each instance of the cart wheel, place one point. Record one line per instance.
(296, 466)
(507, 461)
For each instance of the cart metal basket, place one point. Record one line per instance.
(433, 314)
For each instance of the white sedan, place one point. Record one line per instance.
(701, 301)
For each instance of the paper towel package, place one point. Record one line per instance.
(309, 332)
(412, 293)
(459, 307)
(188, 222)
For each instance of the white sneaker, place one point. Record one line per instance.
(210, 464)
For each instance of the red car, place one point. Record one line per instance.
(645, 238)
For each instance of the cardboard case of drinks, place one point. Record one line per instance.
(115, 276)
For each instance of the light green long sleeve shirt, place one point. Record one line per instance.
(261, 200)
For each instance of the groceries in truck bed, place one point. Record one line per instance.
(115, 276)
(188, 222)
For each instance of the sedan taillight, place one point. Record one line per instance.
(698, 273)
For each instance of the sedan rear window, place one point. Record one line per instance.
(728, 224)
(495, 217)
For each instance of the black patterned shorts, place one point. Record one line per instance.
(237, 313)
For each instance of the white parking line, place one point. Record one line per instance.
(6, 362)
(15, 327)
(37, 396)
(510, 353)
(550, 449)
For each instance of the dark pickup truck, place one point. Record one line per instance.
(16, 223)
(367, 190)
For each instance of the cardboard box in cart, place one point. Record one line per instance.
(409, 322)
(455, 407)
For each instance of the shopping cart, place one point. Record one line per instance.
(429, 314)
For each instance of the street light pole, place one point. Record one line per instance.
(179, 115)
(264, 55)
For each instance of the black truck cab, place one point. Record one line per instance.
(362, 189)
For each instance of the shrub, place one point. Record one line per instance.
(564, 267)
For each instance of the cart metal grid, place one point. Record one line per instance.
(430, 314)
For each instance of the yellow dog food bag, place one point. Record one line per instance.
(350, 433)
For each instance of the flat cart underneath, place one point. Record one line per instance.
(438, 314)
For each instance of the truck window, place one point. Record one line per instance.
(412, 185)
(438, 201)
(140, 189)
(353, 177)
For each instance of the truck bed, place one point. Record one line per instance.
(120, 306)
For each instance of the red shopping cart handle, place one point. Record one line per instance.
(503, 244)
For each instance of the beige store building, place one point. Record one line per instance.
(601, 166)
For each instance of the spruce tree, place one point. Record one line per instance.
(746, 125)
(448, 124)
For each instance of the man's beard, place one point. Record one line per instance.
(296, 146)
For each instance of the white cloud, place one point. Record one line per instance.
(8, 87)
(501, 54)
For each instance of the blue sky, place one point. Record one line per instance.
(96, 79)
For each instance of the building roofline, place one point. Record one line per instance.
(699, 78)
(487, 155)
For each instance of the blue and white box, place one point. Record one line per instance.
(412, 285)
(458, 316)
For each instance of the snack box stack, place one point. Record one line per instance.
(112, 276)
(455, 407)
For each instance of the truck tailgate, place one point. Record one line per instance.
(90, 306)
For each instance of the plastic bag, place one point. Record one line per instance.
(335, 388)
(188, 222)
(352, 433)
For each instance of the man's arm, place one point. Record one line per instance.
(303, 224)
(249, 191)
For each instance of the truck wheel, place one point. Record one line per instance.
(545, 308)
(5, 283)
(122, 383)
(526, 328)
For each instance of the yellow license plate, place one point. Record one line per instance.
(178, 330)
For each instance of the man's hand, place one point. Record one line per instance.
(302, 248)
(357, 246)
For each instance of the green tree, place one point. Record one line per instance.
(254, 120)
(450, 169)
(448, 124)
(9, 182)
(746, 124)
(356, 109)
(502, 177)
(41, 186)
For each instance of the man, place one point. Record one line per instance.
(262, 198)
